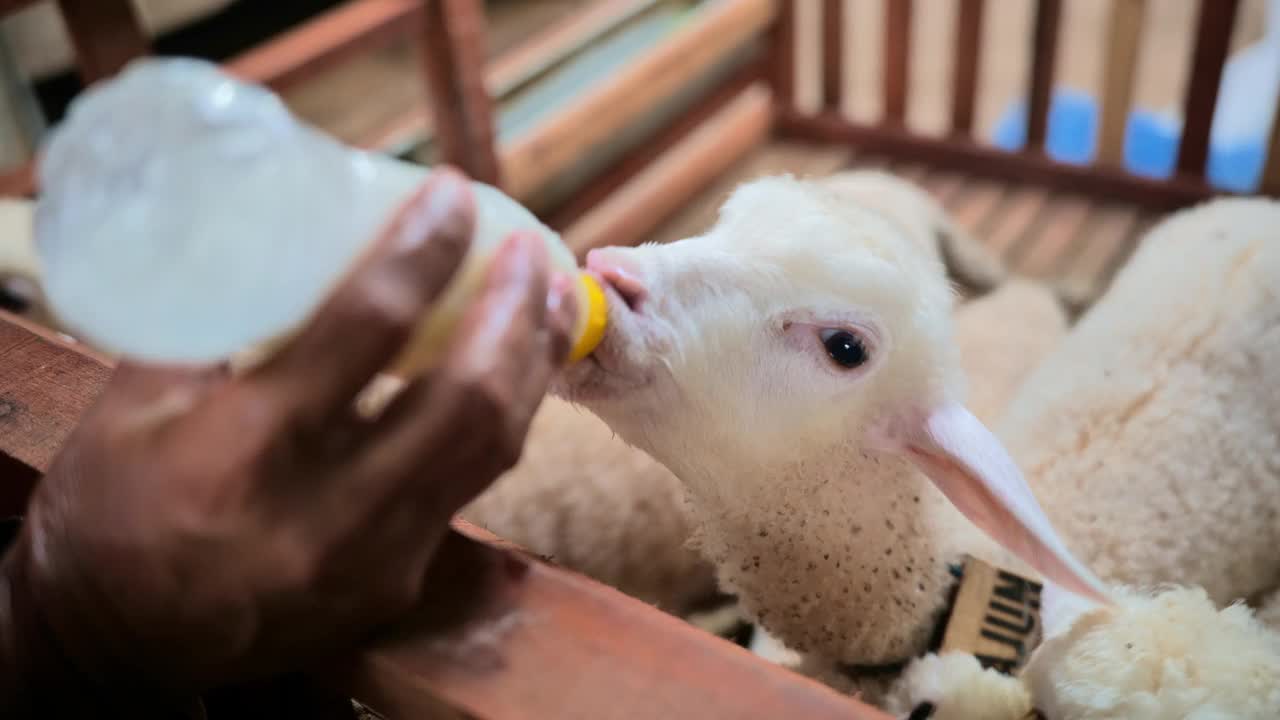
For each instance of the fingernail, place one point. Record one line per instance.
(561, 286)
(438, 202)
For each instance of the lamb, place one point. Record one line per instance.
(797, 372)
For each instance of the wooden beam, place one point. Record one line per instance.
(1124, 38)
(453, 58)
(320, 42)
(553, 146)
(833, 26)
(106, 35)
(897, 57)
(970, 157)
(968, 55)
(1213, 39)
(1044, 53)
(641, 205)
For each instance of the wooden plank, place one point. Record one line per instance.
(897, 56)
(640, 206)
(833, 54)
(969, 157)
(1044, 56)
(453, 57)
(968, 55)
(1049, 250)
(1124, 37)
(318, 43)
(782, 42)
(1015, 220)
(558, 142)
(1110, 238)
(1213, 39)
(45, 387)
(505, 636)
(106, 35)
(651, 150)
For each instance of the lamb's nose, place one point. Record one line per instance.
(622, 274)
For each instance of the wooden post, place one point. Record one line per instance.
(454, 56)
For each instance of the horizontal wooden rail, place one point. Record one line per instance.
(499, 634)
(640, 205)
(980, 160)
(529, 161)
(316, 44)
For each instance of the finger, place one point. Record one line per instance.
(476, 404)
(373, 313)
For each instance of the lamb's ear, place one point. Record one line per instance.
(971, 467)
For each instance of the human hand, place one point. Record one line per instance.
(199, 528)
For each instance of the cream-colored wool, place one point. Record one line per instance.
(1170, 654)
(1152, 433)
(923, 219)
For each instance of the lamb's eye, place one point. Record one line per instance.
(845, 348)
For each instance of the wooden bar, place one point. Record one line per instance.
(968, 56)
(556, 144)
(1217, 19)
(782, 48)
(897, 55)
(833, 54)
(639, 206)
(970, 157)
(1124, 38)
(497, 635)
(1044, 56)
(648, 152)
(106, 35)
(453, 51)
(311, 47)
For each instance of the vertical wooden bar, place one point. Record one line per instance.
(832, 54)
(897, 52)
(1217, 19)
(453, 56)
(782, 59)
(964, 78)
(106, 35)
(1124, 37)
(1044, 54)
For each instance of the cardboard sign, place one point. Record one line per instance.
(995, 618)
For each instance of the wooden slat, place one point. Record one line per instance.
(1109, 239)
(641, 205)
(1050, 248)
(1270, 184)
(969, 157)
(897, 55)
(1120, 66)
(561, 140)
(648, 152)
(964, 78)
(498, 634)
(324, 40)
(1044, 54)
(106, 35)
(1015, 220)
(832, 54)
(782, 44)
(44, 388)
(1213, 39)
(453, 53)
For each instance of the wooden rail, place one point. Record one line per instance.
(498, 635)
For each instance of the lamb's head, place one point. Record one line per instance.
(802, 340)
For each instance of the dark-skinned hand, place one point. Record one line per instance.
(200, 528)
